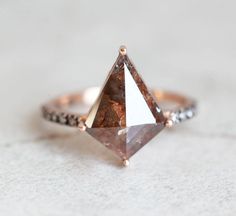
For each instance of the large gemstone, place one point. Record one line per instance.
(125, 116)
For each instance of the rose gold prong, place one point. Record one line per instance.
(125, 162)
(169, 123)
(123, 50)
(82, 126)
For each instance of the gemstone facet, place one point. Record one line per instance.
(125, 116)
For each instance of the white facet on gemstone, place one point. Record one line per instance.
(137, 110)
(93, 112)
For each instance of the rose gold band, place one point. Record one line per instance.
(58, 110)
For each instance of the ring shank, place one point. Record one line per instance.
(58, 110)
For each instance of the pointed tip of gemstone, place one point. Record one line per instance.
(125, 116)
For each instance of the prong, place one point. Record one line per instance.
(82, 126)
(125, 162)
(169, 123)
(123, 50)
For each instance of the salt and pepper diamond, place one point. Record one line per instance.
(125, 116)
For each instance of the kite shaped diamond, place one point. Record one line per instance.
(125, 116)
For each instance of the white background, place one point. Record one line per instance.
(49, 47)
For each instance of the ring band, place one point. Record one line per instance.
(124, 115)
(58, 109)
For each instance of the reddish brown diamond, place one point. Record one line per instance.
(125, 116)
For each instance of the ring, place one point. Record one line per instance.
(124, 115)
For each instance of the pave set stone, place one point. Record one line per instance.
(182, 115)
(61, 118)
(125, 116)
